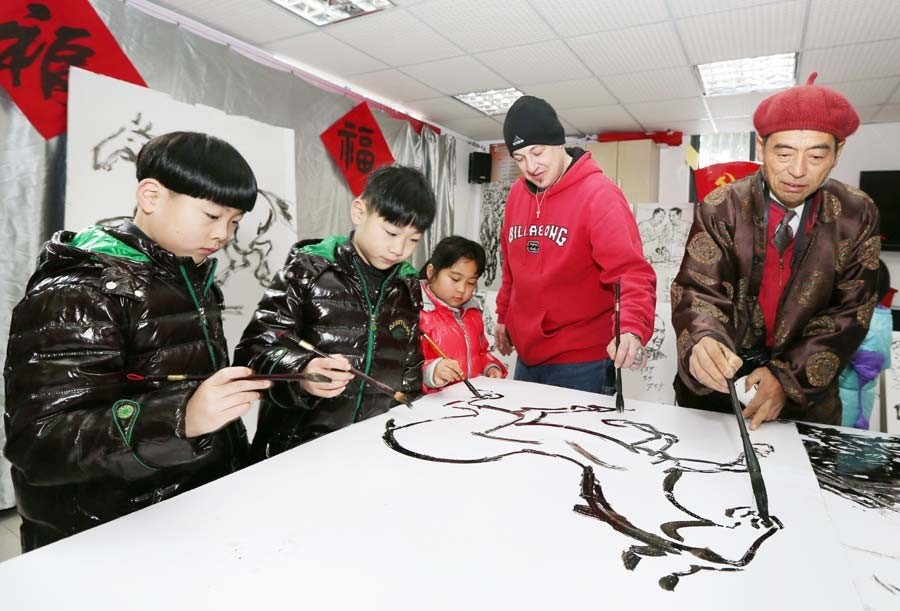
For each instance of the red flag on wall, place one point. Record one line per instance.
(40, 41)
(357, 145)
(712, 176)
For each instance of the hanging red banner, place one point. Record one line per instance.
(357, 145)
(39, 42)
(669, 137)
(712, 176)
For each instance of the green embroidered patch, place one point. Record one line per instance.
(399, 329)
(125, 411)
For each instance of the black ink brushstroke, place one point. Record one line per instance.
(239, 253)
(887, 586)
(862, 469)
(595, 503)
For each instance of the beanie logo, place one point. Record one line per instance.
(517, 141)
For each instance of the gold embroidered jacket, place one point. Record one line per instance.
(826, 305)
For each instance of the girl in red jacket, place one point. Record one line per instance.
(451, 318)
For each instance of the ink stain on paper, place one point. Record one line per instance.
(859, 468)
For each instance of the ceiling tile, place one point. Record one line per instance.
(751, 32)
(734, 125)
(253, 21)
(688, 128)
(838, 22)
(394, 37)
(394, 85)
(444, 108)
(665, 84)
(572, 94)
(684, 109)
(578, 17)
(476, 25)
(456, 75)
(482, 128)
(872, 92)
(742, 105)
(325, 53)
(635, 49)
(896, 97)
(545, 61)
(599, 119)
(689, 8)
(852, 62)
(867, 114)
(889, 113)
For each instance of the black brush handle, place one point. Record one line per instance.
(756, 478)
(620, 400)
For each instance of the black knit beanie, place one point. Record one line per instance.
(530, 121)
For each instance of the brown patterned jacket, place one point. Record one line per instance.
(826, 306)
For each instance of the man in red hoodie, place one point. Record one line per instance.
(568, 236)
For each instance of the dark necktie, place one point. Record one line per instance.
(783, 232)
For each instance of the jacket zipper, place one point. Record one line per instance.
(458, 317)
(370, 339)
(204, 326)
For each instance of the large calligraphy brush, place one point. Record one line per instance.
(180, 377)
(756, 478)
(620, 400)
(444, 356)
(381, 386)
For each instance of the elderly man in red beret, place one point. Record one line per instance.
(778, 279)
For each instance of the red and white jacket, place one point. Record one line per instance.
(460, 334)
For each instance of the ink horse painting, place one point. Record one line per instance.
(670, 483)
(102, 146)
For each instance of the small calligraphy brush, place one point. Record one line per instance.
(620, 400)
(756, 478)
(444, 356)
(396, 394)
(179, 377)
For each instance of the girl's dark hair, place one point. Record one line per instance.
(401, 196)
(199, 165)
(450, 250)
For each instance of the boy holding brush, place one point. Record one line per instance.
(340, 304)
(86, 443)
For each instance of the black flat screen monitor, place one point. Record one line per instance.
(884, 188)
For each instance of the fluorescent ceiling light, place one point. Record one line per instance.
(491, 102)
(749, 74)
(324, 12)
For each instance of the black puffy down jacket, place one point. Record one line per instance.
(319, 296)
(86, 445)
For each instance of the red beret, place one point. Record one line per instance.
(808, 106)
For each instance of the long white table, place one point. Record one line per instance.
(535, 498)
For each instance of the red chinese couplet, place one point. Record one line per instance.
(40, 41)
(713, 176)
(357, 145)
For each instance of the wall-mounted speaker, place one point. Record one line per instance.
(479, 167)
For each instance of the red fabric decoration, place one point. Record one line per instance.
(671, 138)
(39, 42)
(809, 106)
(357, 145)
(712, 176)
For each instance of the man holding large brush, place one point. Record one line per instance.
(778, 279)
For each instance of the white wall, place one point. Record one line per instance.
(674, 175)
(467, 197)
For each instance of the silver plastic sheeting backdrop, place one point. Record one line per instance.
(196, 70)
